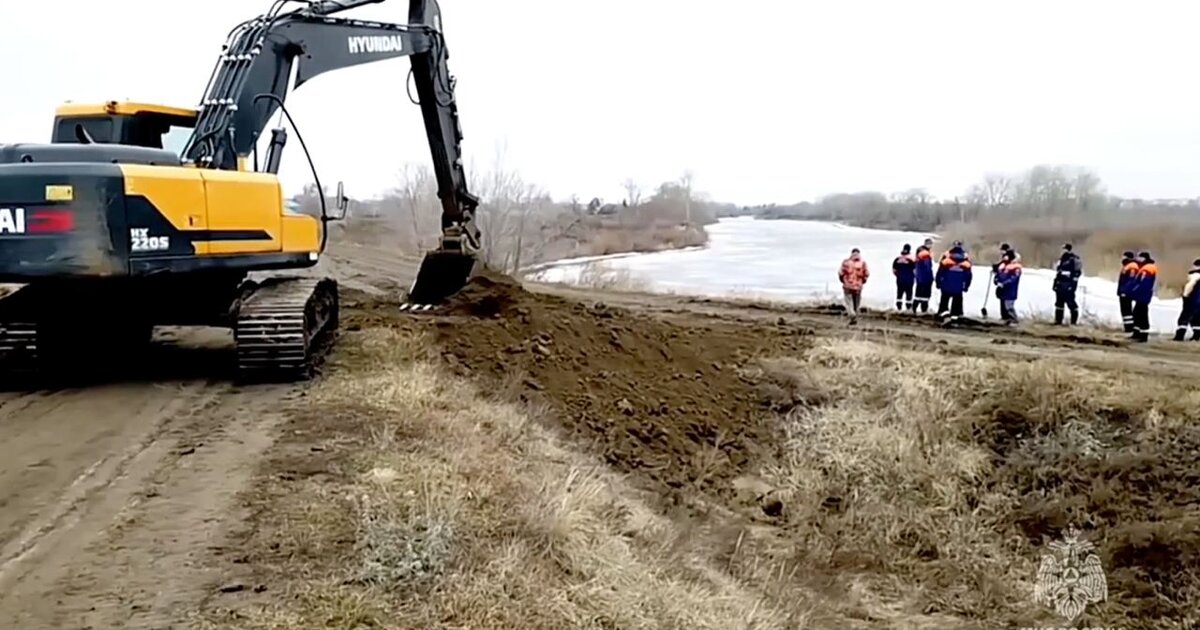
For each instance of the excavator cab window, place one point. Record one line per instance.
(175, 138)
(158, 131)
(98, 129)
(143, 129)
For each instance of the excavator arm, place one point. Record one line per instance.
(251, 81)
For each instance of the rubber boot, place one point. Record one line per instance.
(1058, 317)
(1196, 334)
(1074, 317)
(1180, 332)
(1141, 337)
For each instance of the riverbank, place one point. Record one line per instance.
(1098, 237)
(511, 242)
(795, 261)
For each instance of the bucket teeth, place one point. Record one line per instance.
(412, 307)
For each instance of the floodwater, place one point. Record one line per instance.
(797, 261)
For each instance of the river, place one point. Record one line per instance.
(797, 261)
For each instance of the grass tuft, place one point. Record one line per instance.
(929, 484)
(448, 508)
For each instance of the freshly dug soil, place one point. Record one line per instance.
(656, 398)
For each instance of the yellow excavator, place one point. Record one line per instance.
(137, 215)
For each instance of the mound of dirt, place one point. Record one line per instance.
(658, 398)
(488, 294)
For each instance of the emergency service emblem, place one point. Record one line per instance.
(1070, 577)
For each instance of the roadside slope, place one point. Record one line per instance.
(407, 496)
(529, 459)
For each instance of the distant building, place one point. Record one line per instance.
(1126, 204)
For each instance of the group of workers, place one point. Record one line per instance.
(917, 274)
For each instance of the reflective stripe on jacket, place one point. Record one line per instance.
(1066, 278)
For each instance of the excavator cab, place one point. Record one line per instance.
(137, 124)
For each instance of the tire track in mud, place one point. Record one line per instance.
(113, 494)
(159, 559)
(51, 441)
(37, 513)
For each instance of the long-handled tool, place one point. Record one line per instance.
(991, 281)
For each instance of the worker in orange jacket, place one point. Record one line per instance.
(853, 275)
(923, 275)
(1142, 293)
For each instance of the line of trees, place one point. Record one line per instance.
(1039, 192)
(1036, 210)
(521, 223)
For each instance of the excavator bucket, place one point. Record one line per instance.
(442, 274)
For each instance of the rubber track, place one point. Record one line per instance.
(18, 347)
(280, 327)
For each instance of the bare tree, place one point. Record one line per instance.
(685, 183)
(997, 189)
(416, 196)
(633, 192)
(511, 212)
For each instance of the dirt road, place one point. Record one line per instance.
(114, 494)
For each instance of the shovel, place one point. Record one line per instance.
(991, 281)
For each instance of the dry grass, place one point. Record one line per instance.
(926, 484)
(587, 236)
(602, 241)
(448, 510)
(917, 491)
(598, 276)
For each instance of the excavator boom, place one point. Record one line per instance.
(250, 83)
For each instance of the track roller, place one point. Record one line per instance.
(18, 348)
(282, 328)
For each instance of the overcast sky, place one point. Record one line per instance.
(765, 100)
